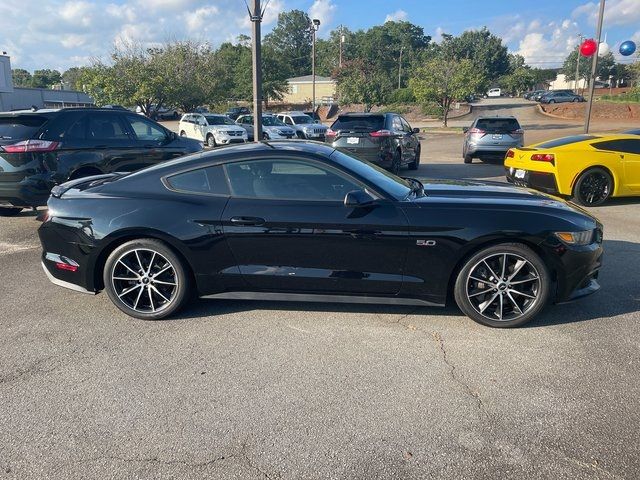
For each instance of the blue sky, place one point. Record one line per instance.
(64, 33)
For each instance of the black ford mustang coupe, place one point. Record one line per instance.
(302, 221)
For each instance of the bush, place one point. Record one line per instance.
(402, 95)
(396, 108)
(432, 109)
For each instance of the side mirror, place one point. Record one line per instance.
(465, 129)
(415, 130)
(358, 198)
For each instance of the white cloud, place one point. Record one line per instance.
(547, 50)
(271, 12)
(397, 16)
(197, 19)
(73, 40)
(323, 10)
(616, 12)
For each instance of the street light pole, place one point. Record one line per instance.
(594, 66)
(341, 41)
(400, 67)
(256, 17)
(315, 24)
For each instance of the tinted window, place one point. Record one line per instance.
(271, 121)
(396, 124)
(146, 130)
(203, 180)
(106, 127)
(367, 123)
(405, 126)
(20, 127)
(67, 126)
(289, 180)
(498, 124)
(302, 119)
(625, 146)
(565, 141)
(218, 120)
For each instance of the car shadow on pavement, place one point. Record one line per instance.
(619, 295)
(549, 126)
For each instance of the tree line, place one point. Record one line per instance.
(390, 63)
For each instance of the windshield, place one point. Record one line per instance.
(302, 119)
(270, 121)
(387, 181)
(219, 120)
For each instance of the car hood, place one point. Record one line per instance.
(226, 128)
(499, 195)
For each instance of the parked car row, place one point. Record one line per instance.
(553, 96)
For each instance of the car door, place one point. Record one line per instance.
(288, 228)
(626, 151)
(412, 139)
(401, 138)
(153, 143)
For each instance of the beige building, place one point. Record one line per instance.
(301, 88)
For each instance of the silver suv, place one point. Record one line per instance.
(304, 125)
(490, 138)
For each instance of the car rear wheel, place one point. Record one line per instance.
(468, 159)
(416, 161)
(211, 141)
(503, 286)
(395, 162)
(575, 100)
(593, 188)
(146, 280)
(9, 211)
(552, 101)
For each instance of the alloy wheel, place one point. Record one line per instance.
(595, 188)
(503, 286)
(144, 280)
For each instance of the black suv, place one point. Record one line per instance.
(234, 112)
(39, 149)
(385, 139)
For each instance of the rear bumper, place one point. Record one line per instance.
(479, 149)
(63, 283)
(28, 192)
(542, 181)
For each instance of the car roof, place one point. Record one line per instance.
(293, 112)
(47, 111)
(366, 114)
(496, 117)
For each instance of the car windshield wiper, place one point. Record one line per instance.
(416, 186)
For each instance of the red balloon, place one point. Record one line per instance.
(588, 47)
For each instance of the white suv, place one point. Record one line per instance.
(213, 129)
(304, 125)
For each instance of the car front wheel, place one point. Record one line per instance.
(145, 279)
(503, 286)
(211, 141)
(416, 161)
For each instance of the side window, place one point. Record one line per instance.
(405, 126)
(624, 146)
(396, 124)
(68, 126)
(288, 120)
(288, 180)
(209, 180)
(146, 130)
(106, 126)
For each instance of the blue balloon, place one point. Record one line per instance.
(627, 48)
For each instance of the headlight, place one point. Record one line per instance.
(576, 238)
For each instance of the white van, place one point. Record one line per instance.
(494, 92)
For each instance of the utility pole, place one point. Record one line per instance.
(340, 41)
(580, 38)
(315, 24)
(594, 65)
(400, 67)
(256, 18)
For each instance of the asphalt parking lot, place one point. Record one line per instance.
(239, 389)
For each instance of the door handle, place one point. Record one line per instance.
(256, 221)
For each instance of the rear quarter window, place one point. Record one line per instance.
(208, 180)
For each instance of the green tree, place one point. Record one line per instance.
(484, 49)
(45, 78)
(445, 80)
(361, 82)
(21, 77)
(519, 80)
(291, 39)
(71, 78)
(605, 67)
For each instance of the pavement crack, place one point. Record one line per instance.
(247, 459)
(456, 378)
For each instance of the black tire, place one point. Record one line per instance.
(575, 100)
(552, 101)
(265, 136)
(468, 159)
(300, 135)
(416, 161)
(532, 279)
(183, 133)
(396, 162)
(593, 187)
(211, 141)
(174, 286)
(9, 211)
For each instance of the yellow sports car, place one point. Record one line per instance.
(587, 168)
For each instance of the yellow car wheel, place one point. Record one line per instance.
(593, 188)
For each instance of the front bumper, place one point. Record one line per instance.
(224, 139)
(542, 181)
